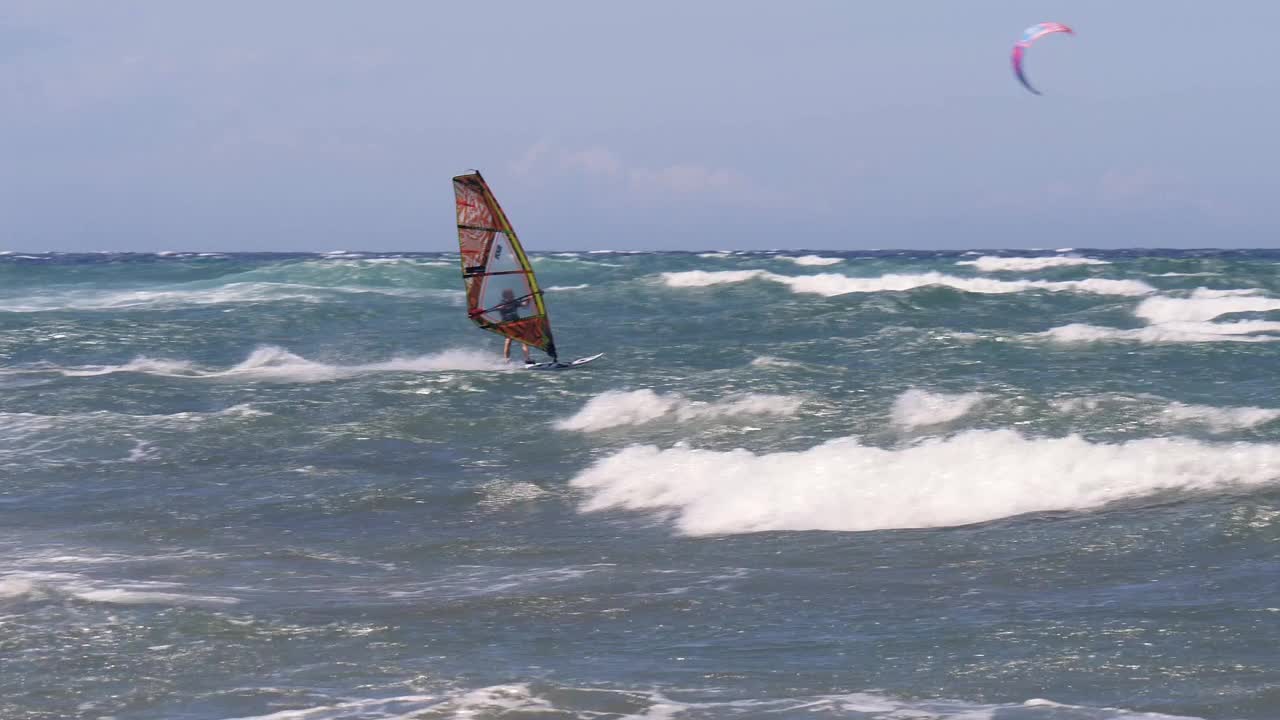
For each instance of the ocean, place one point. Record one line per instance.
(1033, 485)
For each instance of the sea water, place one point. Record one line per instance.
(894, 485)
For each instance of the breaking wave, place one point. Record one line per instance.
(811, 260)
(990, 263)
(704, 278)
(974, 476)
(831, 284)
(1204, 305)
(1183, 320)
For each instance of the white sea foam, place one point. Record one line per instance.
(1245, 331)
(583, 286)
(120, 596)
(974, 476)
(771, 361)
(1088, 404)
(1218, 419)
(499, 493)
(831, 284)
(1203, 293)
(990, 263)
(636, 407)
(16, 588)
(1187, 274)
(919, 408)
(811, 260)
(404, 707)
(363, 262)
(716, 255)
(527, 700)
(36, 585)
(1157, 409)
(275, 364)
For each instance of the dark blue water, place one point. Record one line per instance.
(1037, 485)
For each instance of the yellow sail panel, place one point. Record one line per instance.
(502, 291)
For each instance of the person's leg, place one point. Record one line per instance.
(506, 349)
(526, 352)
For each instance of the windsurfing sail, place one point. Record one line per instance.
(502, 292)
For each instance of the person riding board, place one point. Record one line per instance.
(509, 311)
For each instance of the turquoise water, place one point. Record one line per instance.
(1034, 485)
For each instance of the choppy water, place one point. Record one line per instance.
(1019, 486)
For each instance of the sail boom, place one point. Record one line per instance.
(472, 271)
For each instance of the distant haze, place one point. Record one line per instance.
(296, 125)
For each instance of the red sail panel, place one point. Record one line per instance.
(502, 291)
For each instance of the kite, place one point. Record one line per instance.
(1033, 33)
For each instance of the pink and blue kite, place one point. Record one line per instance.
(1033, 33)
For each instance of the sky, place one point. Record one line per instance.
(297, 125)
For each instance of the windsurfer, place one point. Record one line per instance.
(509, 311)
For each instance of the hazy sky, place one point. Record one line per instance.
(844, 124)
